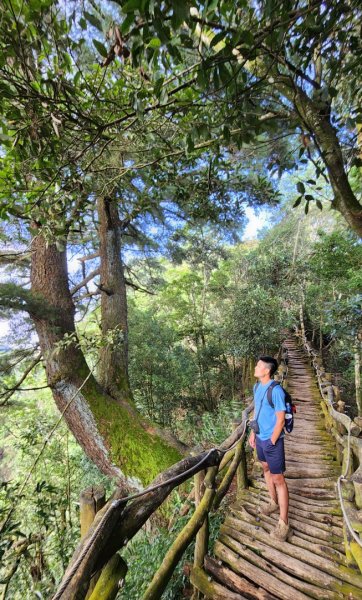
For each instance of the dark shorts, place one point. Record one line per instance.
(273, 455)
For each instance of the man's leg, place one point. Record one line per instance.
(269, 481)
(280, 485)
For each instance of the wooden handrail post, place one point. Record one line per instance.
(202, 537)
(241, 470)
(92, 499)
(105, 584)
(164, 573)
(110, 580)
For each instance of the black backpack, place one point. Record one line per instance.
(290, 408)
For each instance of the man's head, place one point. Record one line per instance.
(266, 367)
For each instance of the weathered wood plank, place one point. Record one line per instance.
(211, 589)
(262, 577)
(234, 581)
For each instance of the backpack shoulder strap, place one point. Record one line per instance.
(270, 392)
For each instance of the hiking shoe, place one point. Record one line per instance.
(281, 532)
(269, 508)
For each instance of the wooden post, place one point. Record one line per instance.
(173, 555)
(106, 583)
(110, 580)
(202, 537)
(92, 499)
(241, 471)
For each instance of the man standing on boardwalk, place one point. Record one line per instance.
(269, 442)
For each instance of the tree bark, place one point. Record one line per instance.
(113, 369)
(111, 432)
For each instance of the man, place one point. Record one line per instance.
(269, 442)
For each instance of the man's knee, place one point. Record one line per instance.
(265, 466)
(278, 479)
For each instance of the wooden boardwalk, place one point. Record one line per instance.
(247, 561)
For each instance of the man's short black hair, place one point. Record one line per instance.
(271, 362)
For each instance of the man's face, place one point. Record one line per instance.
(261, 369)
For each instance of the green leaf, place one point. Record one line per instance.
(246, 38)
(180, 12)
(297, 202)
(93, 20)
(158, 85)
(83, 23)
(226, 134)
(217, 38)
(189, 142)
(77, 77)
(224, 74)
(300, 187)
(306, 208)
(126, 24)
(154, 43)
(319, 204)
(101, 48)
(132, 5)
(309, 197)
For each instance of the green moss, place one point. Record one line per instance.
(135, 451)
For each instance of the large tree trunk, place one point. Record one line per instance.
(113, 369)
(111, 432)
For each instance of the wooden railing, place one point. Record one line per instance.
(111, 525)
(347, 435)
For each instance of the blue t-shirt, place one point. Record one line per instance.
(267, 418)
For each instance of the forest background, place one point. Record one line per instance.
(135, 138)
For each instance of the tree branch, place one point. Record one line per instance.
(9, 392)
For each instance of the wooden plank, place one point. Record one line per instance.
(233, 581)
(298, 526)
(298, 539)
(211, 589)
(332, 507)
(264, 578)
(324, 522)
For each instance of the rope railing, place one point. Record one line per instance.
(346, 433)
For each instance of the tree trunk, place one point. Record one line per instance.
(111, 432)
(113, 369)
(315, 117)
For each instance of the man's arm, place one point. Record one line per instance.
(280, 415)
(252, 442)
